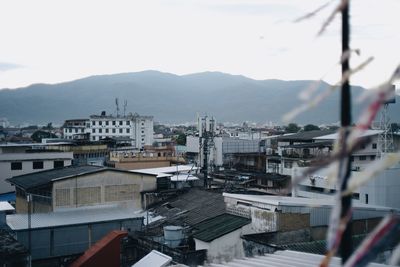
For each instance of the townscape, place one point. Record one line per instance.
(281, 167)
(198, 194)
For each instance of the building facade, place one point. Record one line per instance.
(16, 159)
(135, 129)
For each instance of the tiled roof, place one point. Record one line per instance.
(218, 226)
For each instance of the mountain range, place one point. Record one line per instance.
(172, 99)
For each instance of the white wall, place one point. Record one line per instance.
(224, 248)
(27, 159)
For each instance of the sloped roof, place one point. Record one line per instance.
(37, 179)
(192, 207)
(218, 226)
(305, 136)
(285, 258)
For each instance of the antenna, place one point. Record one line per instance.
(117, 104)
(125, 104)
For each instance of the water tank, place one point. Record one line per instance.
(173, 235)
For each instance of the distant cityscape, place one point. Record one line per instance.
(181, 189)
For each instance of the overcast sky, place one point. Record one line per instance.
(51, 41)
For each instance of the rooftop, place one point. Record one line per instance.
(305, 136)
(298, 201)
(154, 259)
(73, 216)
(37, 179)
(164, 171)
(218, 226)
(10, 249)
(285, 258)
(5, 206)
(334, 136)
(192, 207)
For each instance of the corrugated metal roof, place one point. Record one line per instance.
(37, 179)
(334, 136)
(10, 248)
(73, 216)
(305, 136)
(183, 178)
(5, 206)
(192, 207)
(285, 258)
(154, 259)
(167, 170)
(32, 180)
(299, 201)
(218, 226)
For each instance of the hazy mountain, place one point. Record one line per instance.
(169, 98)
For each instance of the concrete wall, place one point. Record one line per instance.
(224, 248)
(27, 160)
(102, 188)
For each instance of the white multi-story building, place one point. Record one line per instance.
(133, 128)
(382, 190)
(20, 159)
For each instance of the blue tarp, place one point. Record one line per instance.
(10, 197)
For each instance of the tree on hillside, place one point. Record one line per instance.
(292, 128)
(311, 127)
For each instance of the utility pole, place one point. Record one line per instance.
(29, 200)
(346, 241)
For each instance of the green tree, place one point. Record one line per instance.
(39, 135)
(292, 128)
(311, 127)
(181, 139)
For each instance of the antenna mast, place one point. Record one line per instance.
(117, 104)
(125, 105)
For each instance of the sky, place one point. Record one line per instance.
(52, 41)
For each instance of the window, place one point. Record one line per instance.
(70, 130)
(93, 138)
(363, 146)
(113, 123)
(36, 165)
(127, 130)
(16, 166)
(351, 158)
(107, 123)
(366, 198)
(374, 146)
(120, 130)
(93, 130)
(76, 130)
(288, 165)
(372, 157)
(100, 130)
(81, 130)
(113, 130)
(106, 130)
(93, 123)
(100, 123)
(58, 164)
(363, 157)
(128, 123)
(142, 132)
(120, 122)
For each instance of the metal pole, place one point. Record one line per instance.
(346, 242)
(29, 199)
